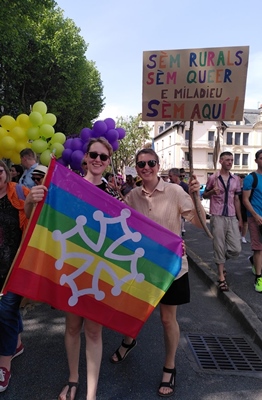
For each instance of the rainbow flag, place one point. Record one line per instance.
(87, 253)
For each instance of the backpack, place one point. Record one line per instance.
(254, 184)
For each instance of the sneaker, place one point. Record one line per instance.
(18, 351)
(4, 378)
(243, 239)
(258, 285)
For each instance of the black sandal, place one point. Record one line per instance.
(170, 384)
(70, 386)
(222, 285)
(129, 347)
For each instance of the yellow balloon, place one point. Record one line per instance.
(32, 133)
(58, 137)
(35, 118)
(7, 143)
(20, 146)
(15, 158)
(23, 121)
(46, 130)
(18, 133)
(39, 145)
(40, 107)
(6, 153)
(7, 122)
(45, 157)
(49, 119)
(3, 132)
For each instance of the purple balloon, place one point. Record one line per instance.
(115, 145)
(77, 156)
(84, 148)
(86, 134)
(112, 135)
(121, 133)
(77, 144)
(76, 166)
(66, 155)
(100, 128)
(110, 123)
(68, 143)
(62, 162)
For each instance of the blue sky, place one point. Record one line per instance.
(118, 31)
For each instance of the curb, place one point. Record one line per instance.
(239, 309)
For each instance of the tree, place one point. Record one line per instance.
(137, 135)
(42, 57)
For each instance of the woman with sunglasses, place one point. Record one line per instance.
(97, 158)
(164, 204)
(13, 222)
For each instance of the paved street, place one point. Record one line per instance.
(41, 371)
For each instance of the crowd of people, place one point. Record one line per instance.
(156, 198)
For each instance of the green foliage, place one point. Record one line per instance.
(137, 135)
(42, 57)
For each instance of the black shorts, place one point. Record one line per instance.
(178, 293)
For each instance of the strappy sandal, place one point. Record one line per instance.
(222, 285)
(68, 393)
(128, 348)
(170, 384)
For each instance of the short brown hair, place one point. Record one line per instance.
(103, 141)
(147, 151)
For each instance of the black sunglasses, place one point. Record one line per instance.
(94, 155)
(35, 179)
(142, 164)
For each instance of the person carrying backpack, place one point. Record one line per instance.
(252, 199)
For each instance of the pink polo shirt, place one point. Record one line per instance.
(223, 203)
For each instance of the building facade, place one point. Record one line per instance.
(242, 138)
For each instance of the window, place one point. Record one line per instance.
(229, 137)
(187, 156)
(186, 135)
(244, 159)
(245, 139)
(237, 138)
(237, 159)
(211, 136)
(209, 157)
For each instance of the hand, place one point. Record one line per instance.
(193, 185)
(36, 194)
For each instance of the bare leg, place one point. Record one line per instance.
(94, 348)
(220, 271)
(171, 338)
(258, 261)
(122, 350)
(72, 343)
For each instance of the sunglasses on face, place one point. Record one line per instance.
(150, 163)
(94, 155)
(36, 179)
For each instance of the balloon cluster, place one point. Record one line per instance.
(75, 148)
(34, 130)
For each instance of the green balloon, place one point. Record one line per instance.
(46, 130)
(49, 119)
(40, 107)
(45, 157)
(35, 118)
(39, 145)
(57, 149)
(58, 137)
(32, 133)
